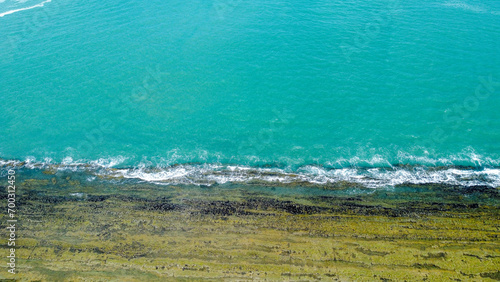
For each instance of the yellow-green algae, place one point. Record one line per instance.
(68, 231)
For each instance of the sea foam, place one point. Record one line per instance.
(307, 175)
(24, 9)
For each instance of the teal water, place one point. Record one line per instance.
(295, 85)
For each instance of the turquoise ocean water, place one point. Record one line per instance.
(374, 92)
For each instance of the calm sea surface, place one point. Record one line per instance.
(235, 90)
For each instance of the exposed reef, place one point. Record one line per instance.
(74, 230)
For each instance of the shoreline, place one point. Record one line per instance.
(314, 176)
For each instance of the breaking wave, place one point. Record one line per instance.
(25, 8)
(385, 175)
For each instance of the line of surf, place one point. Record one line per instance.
(212, 174)
(26, 8)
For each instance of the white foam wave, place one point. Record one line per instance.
(468, 7)
(25, 8)
(9, 163)
(66, 164)
(370, 178)
(381, 175)
(109, 162)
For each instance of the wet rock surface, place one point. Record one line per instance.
(132, 231)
